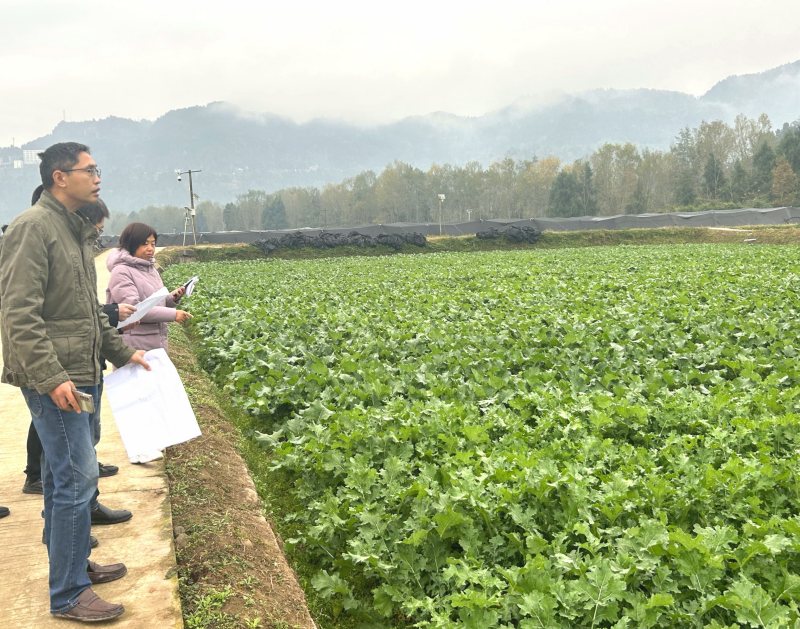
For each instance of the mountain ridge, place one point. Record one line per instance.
(239, 150)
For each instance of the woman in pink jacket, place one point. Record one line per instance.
(134, 278)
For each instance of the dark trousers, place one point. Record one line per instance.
(33, 467)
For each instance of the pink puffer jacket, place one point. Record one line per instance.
(132, 280)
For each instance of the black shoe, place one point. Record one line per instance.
(93, 543)
(103, 574)
(107, 470)
(33, 487)
(4, 511)
(103, 515)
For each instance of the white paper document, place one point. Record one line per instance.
(190, 284)
(151, 408)
(144, 306)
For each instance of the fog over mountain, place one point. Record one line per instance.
(238, 151)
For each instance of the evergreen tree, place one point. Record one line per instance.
(229, 217)
(789, 146)
(739, 183)
(684, 188)
(274, 214)
(565, 195)
(763, 163)
(587, 197)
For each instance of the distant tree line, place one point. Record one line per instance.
(713, 166)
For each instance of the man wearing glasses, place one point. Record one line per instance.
(53, 334)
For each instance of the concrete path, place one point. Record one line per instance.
(150, 589)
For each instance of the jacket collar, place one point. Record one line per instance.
(80, 228)
(123, 257)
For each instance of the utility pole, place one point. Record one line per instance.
(190, 211)
(441, 200)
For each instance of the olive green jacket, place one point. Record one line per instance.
(53, 328)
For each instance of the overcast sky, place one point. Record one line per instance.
(369, 61)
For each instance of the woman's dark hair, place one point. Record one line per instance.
(37, 192)
(95, 212)
(134, 236)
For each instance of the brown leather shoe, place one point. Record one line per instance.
(103, 574)
(91, 608)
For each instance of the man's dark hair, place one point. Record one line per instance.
(95, 212)
(134, 236)
(61, 156)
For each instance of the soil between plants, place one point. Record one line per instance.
(231, 567)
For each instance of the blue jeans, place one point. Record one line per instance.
(69, 476)
(33, 469)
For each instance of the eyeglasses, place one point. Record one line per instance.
(92, 171)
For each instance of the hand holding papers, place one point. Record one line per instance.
(151, 408)
(144, 306)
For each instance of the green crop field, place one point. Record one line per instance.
(599, 437)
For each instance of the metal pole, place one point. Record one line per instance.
(190, 211)
(191, 206)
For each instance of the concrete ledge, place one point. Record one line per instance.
(144, 543)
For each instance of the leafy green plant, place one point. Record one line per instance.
(562, 438)
(208, 611)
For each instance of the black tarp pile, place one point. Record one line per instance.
(512, 233)
(328, 240)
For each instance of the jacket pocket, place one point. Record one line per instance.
(64, 352)
(71, 339)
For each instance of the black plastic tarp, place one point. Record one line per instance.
(713, 218)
